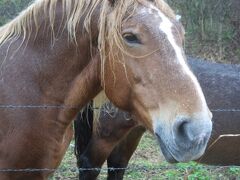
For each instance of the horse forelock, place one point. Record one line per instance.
(110, 37)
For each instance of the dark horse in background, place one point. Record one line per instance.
(118, 138)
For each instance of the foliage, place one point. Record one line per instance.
(10, 8)
(212, 28)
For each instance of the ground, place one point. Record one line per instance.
(147, 163)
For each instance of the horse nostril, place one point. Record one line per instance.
(189, 132)
(181, 129)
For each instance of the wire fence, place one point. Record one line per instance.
(46, 106)
(130, 168)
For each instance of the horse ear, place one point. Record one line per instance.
(112, 2)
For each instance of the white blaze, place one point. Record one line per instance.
(166, 27)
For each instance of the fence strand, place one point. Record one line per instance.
(45, 106)
(129, 168)
(105, 169)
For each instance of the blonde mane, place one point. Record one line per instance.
(109, 24)
(73, 11)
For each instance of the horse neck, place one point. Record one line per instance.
(50, 64)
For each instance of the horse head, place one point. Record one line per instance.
(144, 72)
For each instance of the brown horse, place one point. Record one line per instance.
(118, 134)
(59, 54)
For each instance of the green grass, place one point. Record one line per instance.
(148, 163)
(68, 167)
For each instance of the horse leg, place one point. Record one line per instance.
(99, 149)
(91, 161)
(122, 153)
(110, 132)
(93, 148)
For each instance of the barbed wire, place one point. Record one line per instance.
(10, 106)
(27, 170)
(46, 106)
(129, 168)
(225, 110)
(106, 169)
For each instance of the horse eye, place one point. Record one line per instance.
(131, 38)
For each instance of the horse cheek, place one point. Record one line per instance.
(117, 85)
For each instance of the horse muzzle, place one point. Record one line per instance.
(186, 140)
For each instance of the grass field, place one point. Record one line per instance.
(147, 163)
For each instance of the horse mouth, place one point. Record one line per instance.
(181, 155)
(167, 154)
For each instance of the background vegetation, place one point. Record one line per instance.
(212, 28)
(10, 8)
(212, 32)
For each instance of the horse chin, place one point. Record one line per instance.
(168, 156)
